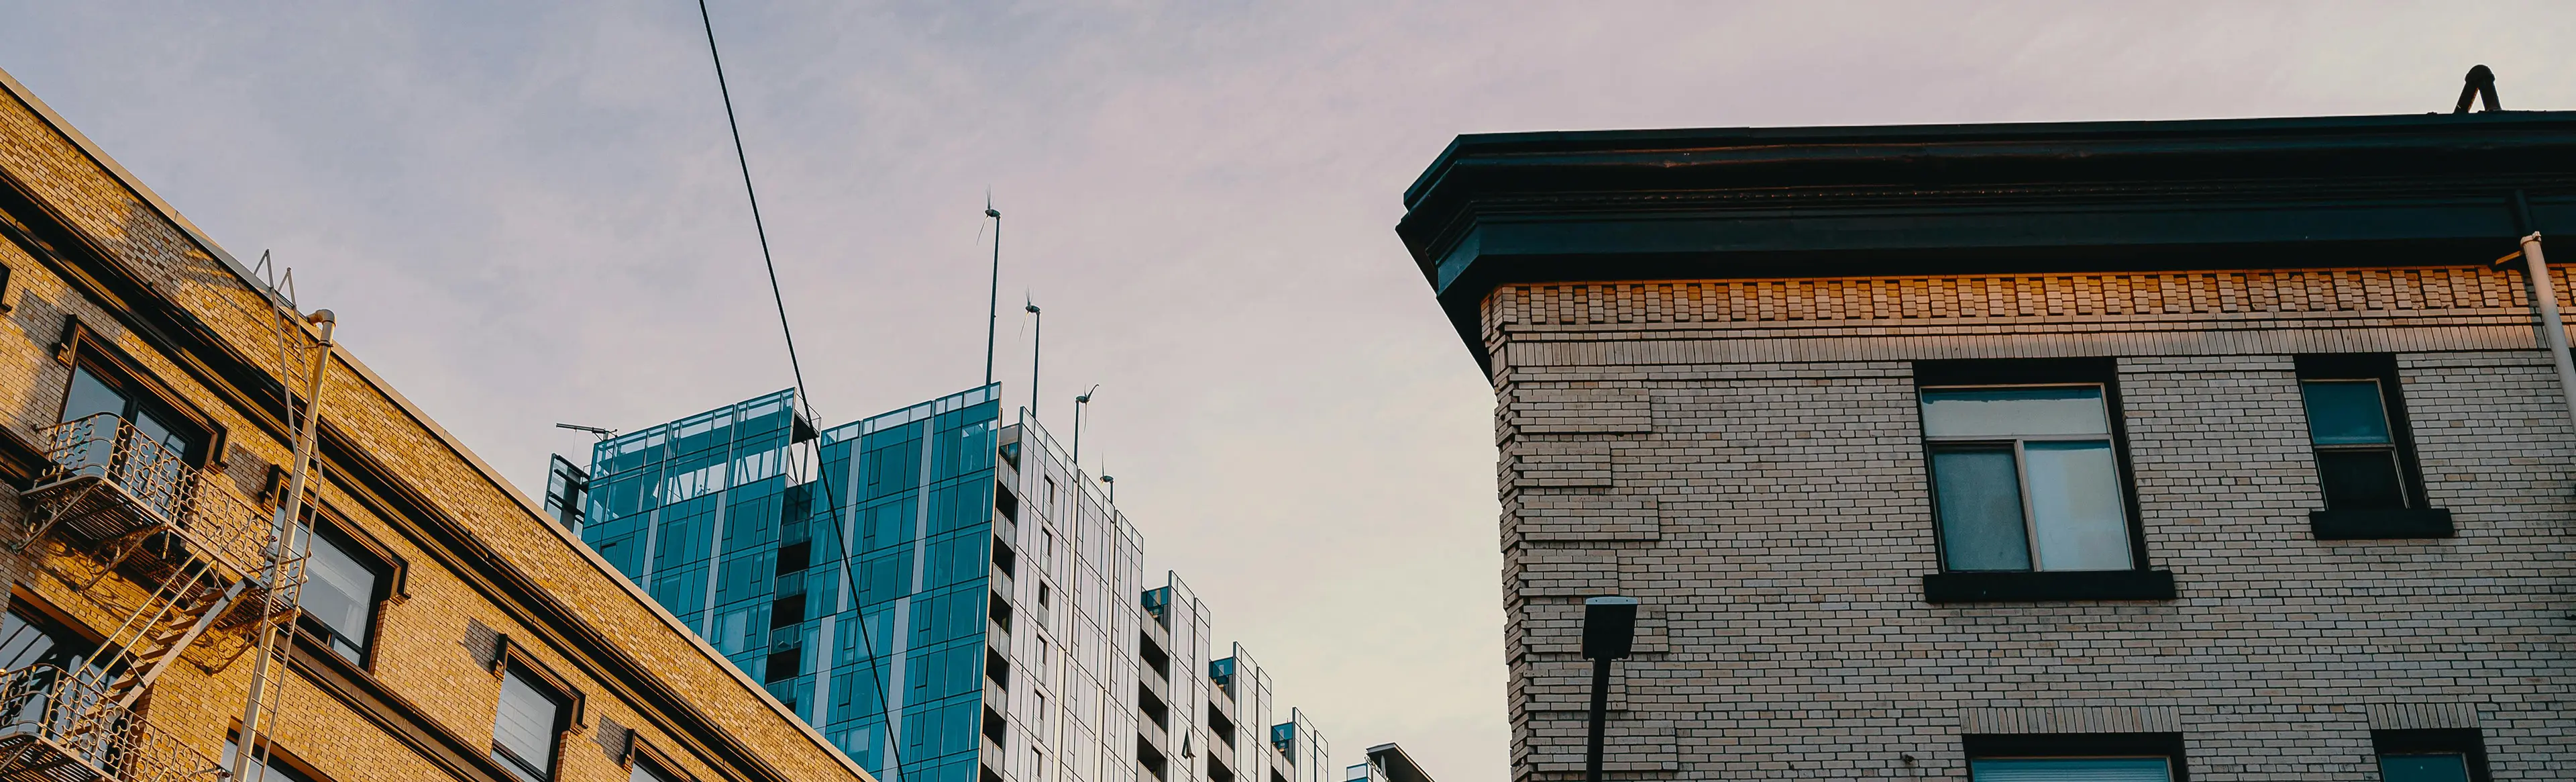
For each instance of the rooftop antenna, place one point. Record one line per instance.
(603, 434)
(1035, 340)
(992, 301)
(2480, 86)
(1080, 402)
(1111, 482)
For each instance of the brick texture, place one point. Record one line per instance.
(417, 656)
(1746, 458)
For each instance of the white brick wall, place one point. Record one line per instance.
(1762, 489)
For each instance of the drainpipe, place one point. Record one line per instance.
(2544, 295)
(2553, 332)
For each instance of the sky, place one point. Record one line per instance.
(526, 214)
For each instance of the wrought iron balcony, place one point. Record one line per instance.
(131, 502)
(61, 726)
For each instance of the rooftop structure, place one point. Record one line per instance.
(2117, 450)
(1000, 627)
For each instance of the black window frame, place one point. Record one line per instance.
(82, 349)
(2140, 582)
(2418, 519)
(287, 764)
(370, 553)
(510, 658)
(2079, 745)
(2467, 742)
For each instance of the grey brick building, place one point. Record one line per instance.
(2208, 450)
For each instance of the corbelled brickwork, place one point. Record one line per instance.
(1746, 458)
(86, 244)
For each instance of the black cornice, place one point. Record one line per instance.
(1962, 199)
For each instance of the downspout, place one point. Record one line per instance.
(2544, 295)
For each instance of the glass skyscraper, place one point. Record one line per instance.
(996, 627)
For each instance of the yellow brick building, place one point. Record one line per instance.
(451, 630)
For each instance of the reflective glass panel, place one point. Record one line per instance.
(645, 771)
(523, 728)
(2014, 412)
(2345, 412)
(268, 763)
(2424, 768)
(341, 596)
(91, 396)
(2075, 506)
(1979, 498)
(2070, 770)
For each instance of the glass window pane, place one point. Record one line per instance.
(269, 763)
(645, 772)
(523, 729)
(2069, 770)
(25, 641)
(91, 396)
(2361, 480)
(341, 595)
(2345, 412)
(1979, 499)
(2075, 506)
(2006, 412)
(2424, 768)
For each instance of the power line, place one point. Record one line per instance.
(840, 538)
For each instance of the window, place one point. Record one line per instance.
(649, 771)
(149, 455)
(2025, 478)
(524, 728)
(2076, 757)
(567, 490)
(2441, 755)
(2365, 459)
(2029, 483)
(33, 639)
(270, 766)
(1046, 604)
(345, 584)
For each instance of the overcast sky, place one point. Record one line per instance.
(528, 213)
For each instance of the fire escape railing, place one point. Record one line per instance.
(210, 560)
(63, 726)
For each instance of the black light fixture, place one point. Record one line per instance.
(1609, 629)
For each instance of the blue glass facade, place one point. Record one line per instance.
(997, 624)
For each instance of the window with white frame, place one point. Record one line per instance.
(2026, 477)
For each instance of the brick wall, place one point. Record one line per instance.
(474, 551)
(1745, 457)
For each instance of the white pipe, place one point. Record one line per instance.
(2553, 332)
(289, 512)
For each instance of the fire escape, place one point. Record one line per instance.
(186, 562)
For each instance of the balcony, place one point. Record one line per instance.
(59, 727)
(128, 502)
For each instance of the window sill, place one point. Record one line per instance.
(2040, 586)
(2397, 524)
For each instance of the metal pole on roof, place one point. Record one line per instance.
(1037, 339)
(993, 301)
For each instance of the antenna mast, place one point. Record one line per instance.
(993, 299)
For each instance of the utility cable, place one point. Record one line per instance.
(832, 502)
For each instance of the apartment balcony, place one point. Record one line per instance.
(130, 503)
(57, 726)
